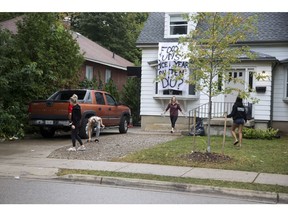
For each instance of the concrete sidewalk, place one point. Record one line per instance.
(24, 166)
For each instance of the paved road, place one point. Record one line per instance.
(24, 191)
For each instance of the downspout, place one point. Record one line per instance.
(272, 92)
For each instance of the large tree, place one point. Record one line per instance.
(115, 31)
(212, 50)
(42, 39)
(40, 58)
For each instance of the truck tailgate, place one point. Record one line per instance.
(48, 110)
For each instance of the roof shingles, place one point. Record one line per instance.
(91, 50)
(94, 52)
(272, 27)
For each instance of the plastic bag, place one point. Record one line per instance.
(199, 128)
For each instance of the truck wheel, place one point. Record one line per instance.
(123, 127)
(47, 132)
(82, 131)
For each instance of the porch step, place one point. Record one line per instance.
(165, 127)
(217, 125)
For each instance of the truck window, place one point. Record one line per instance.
(65, 95)
(99, 98)
(110, 100)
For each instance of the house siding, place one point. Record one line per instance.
(280, 51)
(280, 108)
(262, 109)
(150, 106)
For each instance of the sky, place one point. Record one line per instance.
(143, 6)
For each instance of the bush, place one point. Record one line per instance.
(251, 133)
(11, 124)
(112, 89)
(131, 97)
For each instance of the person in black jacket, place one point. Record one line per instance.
(75, 124)
(239, 118)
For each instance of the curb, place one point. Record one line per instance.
(259, 196)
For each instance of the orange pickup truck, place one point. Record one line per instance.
(52, 114)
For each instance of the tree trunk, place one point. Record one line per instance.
(209, 124)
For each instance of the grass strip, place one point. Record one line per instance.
(206, 182)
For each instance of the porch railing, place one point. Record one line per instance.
(218, 110)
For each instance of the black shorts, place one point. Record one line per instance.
(239, 121)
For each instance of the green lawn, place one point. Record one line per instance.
(266, 156)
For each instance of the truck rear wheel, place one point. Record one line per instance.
(47, 132)
(123, 127)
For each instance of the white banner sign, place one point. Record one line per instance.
(172, 67)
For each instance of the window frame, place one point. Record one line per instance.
(108, 75)
(190, 88)
(179, 22)
(167, 28)
(89, 72)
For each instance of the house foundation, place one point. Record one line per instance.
(158, 123)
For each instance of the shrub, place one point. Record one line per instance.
(251, 133)
(131, 97)
(11, 123)
(112, 89)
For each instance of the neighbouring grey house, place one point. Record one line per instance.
(161, 32)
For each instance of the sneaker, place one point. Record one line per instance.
(71, 149)
(81, 148)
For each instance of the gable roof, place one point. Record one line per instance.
(91, 50)
(95, 53)
(272, 27)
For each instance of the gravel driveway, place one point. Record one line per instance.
(114, 145)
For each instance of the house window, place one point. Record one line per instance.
(89, 73)
(188, 90)
(107, 75)
(178, 25)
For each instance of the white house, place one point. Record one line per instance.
(158, 37)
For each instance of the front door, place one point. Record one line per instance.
(239, 74)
